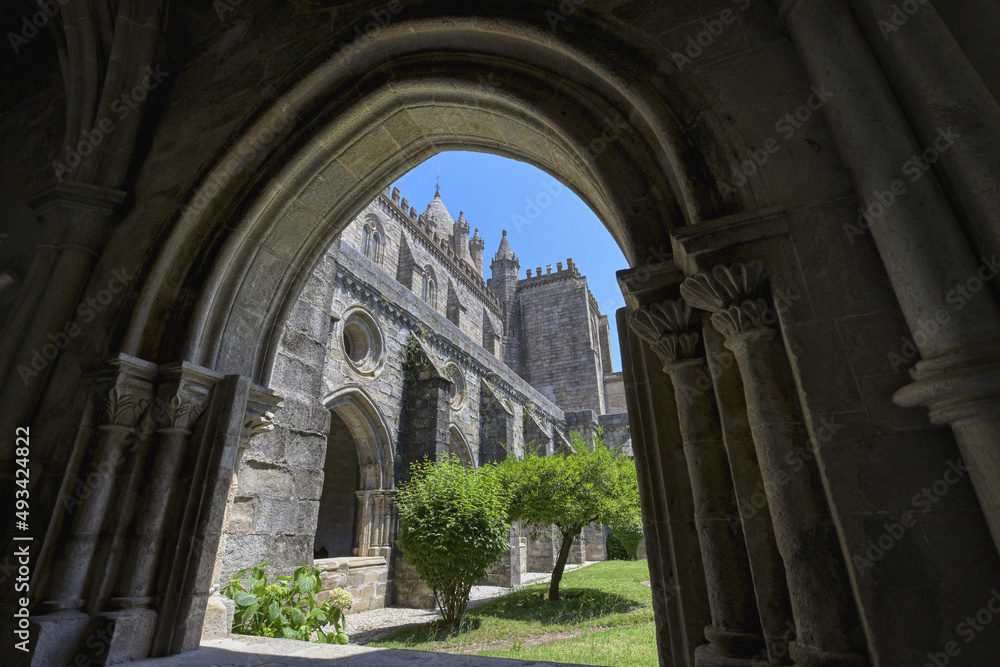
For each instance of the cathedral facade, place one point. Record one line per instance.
(398, 349)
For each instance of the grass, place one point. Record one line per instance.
(604, 618)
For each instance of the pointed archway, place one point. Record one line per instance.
(356, 509)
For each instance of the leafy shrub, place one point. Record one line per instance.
(629, 534)
(452, 528)
(287, 608)
(615, 549)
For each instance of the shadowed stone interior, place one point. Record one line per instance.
(805, 193)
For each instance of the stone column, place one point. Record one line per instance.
(918, 237)
(827, 626)
(382, 507)
(652, 500)
(388, 531)
(363, 520)
(237, 412)
(769, 579)
(131, 621)
(734, 638)
(81, 216)
(942, 92)
(677, 572)
(123, 390)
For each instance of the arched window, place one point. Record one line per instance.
(370, 242)
(366, 239)
(428, 290)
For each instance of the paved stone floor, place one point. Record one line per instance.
(242, 651)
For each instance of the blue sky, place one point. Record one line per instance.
(545, 221)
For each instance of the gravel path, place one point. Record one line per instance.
(368, 626)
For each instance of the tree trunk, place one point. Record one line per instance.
(567, 542)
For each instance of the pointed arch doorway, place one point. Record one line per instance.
(357, 508)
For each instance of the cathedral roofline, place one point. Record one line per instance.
(439, 245)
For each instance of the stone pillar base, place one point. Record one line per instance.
(121, 636)
(57, 637)
(704, 656)
(218, 618)
(810, 656)
(727, 648)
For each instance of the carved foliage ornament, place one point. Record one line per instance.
(668, 327)
(724, 286)
(121, 406)
(745, 317)
(733, 294)
(177, 413)
(255, 424)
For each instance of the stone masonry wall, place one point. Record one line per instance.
(559, 354)
(614, 393)
(366, 579)
(424, 248)
(279, 476)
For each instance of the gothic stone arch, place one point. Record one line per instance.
(229, 207)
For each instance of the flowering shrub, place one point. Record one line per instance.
(287, 608)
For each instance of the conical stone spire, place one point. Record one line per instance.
(436, 214)
(476, 247)
(504, 269)
(504, 253)
(460, 239)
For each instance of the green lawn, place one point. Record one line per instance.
(604, 618)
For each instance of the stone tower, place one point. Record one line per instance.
(504, 270)
(476, 247)
(562, 343)
(460, 238)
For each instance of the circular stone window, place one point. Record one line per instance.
(458, 390)
(362, 342)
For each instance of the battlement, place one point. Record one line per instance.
(439, 244)
(570, 271)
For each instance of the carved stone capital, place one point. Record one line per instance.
(724, 286)
(122, 391)
(743, 318)
(177, 413)
(183, 395)
(733, 294)
(77, 213)
(670, 329)
(261, 406)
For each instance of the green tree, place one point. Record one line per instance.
(592, 484)
(452, 528)
(629, 534)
